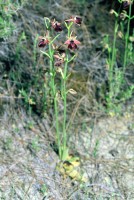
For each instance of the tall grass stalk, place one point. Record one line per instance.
(54, 96)
(127, 38)
(112, 61)
(118, 89)
(65, 108)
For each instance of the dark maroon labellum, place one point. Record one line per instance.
(57, 27)
(78, 20)
(58, 63)
(72, 43)
(43, 42)
(126, 4)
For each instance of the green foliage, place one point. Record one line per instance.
(80, 1)
(44, 190)
(29, 125)
(96, 149)
(35, 144)
(15, 128)
(119, 91)
(8, 9)
(28, 100)
(8, 143)
(6, 23)
(20, 46)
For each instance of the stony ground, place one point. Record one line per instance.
(28, 162)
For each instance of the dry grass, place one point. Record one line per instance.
(104, 145)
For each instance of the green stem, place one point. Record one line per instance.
(53, 88)
(57, 126)
(65, 106)
(69, 28)
(112, 61)
(69, 32)
(127, 38)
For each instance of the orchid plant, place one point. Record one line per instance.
(59, 60)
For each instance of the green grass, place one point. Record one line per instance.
(119, 90)
(6, 23)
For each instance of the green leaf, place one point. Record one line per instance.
(71, 58)
(55, 38)
(45, 54)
